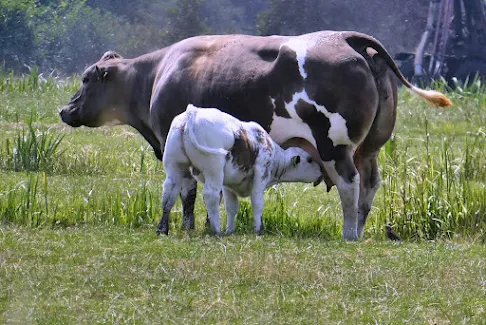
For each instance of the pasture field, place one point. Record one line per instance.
(78, 209)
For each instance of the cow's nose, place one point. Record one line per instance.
(63, 114)
(69, 116)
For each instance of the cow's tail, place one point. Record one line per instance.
(190, 112)
(360, 42)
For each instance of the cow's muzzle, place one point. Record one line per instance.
(318, 181)
(70, 116)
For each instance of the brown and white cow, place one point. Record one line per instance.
(238, 158)
(323, 87)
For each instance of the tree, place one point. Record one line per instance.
(184, 20)
(16, 36)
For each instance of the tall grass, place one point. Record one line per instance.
(433, 172)
(35, 202)
(32, 151)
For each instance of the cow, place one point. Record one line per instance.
(226, 154)
(337, 90)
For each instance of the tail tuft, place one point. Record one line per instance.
(432, 96)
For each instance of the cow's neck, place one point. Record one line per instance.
(141, 73)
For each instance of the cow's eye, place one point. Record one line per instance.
(309, 160)
(85, 80)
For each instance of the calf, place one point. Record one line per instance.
(226, 154)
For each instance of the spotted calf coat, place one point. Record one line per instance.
(226, 154)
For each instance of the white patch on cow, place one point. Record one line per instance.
(338, 132)
(113, 122)
(349, 194)
(299, 46)
(283, 129)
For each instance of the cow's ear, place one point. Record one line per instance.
(295, 160)
(101, 73)
(110, 55)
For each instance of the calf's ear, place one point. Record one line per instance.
(295, 160)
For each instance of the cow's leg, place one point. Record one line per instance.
(232, 205)
(188, 198)
(369, 183)
(172, 188)
(344, 174)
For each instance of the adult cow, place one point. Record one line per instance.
(323, 87)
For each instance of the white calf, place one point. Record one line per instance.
(226, 154)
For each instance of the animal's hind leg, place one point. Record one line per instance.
(232, 206)
(213, 185)
(188, 198)
(347, 179)
(369, 184)
(172, 188)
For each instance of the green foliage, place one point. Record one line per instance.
(184, 20)
(14, 26)
(113, 275)
(433, 171)
(32, 151)
(291, 17)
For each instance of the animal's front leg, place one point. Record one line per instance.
(188, 198)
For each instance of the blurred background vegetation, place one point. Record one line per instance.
(63, 37)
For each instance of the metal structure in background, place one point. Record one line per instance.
(452, 45)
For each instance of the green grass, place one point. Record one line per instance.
(99, 275)
(78, 209)
(434, 171)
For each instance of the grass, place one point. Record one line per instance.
(434, 171)
(78, 209)
(93, 275)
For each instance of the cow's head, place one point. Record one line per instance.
(95, 103)
(299, 166)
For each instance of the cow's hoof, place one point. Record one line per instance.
(259, 232)
(188, 224)
(162, 231)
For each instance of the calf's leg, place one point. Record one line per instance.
(232, 205)
(213, 185)
(172, 188)
(257, 202)
(188, 198)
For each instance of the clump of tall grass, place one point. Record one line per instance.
(35, 81)
(32, 150)
(434, 195)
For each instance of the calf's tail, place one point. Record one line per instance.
(360, 42)
(190, 113)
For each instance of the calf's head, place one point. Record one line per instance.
(299, 166)
(95, 103)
